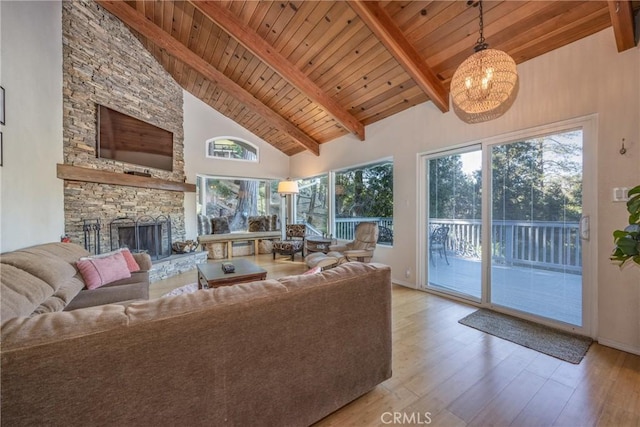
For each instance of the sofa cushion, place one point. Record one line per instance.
(47, 267)
(57, 327)
(167, 307)
(259, 223)
(68, 252)
(62, 297)
(220, 225)
(98, 271)
(22, 292)
(288, 245)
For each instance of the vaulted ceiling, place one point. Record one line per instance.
(302, 73)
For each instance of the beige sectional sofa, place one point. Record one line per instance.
(44, 278)
(283, 352)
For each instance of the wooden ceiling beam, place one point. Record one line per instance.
(252, 41)
(144, 26)
(621, 14)
(382, 25)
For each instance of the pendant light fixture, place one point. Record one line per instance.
(485, 85)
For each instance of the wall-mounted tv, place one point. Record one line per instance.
(127, 139)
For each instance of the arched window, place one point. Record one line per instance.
(226, 147)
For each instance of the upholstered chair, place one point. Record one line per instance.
(360, 249)
(294, 242)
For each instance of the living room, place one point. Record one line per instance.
(587, 80)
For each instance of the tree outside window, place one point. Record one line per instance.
(312, 206)
(231, 148)
(237, 199)
(364, 194)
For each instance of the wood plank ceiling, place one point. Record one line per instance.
(301, 73)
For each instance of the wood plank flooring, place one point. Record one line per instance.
(447, 374)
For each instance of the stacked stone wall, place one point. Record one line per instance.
(105, 64)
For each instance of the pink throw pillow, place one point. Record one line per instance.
(132, 264)
(313, 270)
(131, 261)
(100, 271)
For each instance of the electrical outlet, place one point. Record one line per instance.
(407, 273)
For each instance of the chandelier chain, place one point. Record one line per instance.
(481, 42)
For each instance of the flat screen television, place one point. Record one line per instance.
(127, 139)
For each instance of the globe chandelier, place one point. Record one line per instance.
(485, 85)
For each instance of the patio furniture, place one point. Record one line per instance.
(385, 235)
(294, 242)
(438, 242)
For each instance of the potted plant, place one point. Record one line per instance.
(627, 241)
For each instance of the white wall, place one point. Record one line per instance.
(202, 123)
(586, 77)
(32, 209)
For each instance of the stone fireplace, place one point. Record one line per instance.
(144, 234)
(105, 64)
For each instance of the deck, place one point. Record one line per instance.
(551, 294)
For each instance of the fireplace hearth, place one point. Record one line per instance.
(144, 234)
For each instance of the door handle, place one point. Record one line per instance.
(585, 227)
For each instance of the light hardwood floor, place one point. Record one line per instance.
(447, 374)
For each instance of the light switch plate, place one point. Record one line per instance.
(620, 194)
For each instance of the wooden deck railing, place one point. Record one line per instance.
(542, 244)
(345, 227)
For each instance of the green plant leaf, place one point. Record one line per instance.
(627, 241)
(628, 246)
(619, 234)
(634, 190)
(633, 205)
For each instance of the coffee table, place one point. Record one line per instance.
(210, 275)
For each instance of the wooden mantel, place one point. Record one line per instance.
(76, 173)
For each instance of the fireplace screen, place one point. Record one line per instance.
(144, 234)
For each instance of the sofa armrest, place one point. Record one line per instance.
(143, 260)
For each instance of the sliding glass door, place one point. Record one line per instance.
(454, 222)
(504, 224)
(536, 208)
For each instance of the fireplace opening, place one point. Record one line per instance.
(144, 234)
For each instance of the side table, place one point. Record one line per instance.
(318, 244)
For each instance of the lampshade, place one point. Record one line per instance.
(288, 187)
(485, 85)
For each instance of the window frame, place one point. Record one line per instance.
(236, 140)
(328, 197)
(331, 190)
(201, 203)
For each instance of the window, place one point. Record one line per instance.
(231, 148)
(362, 194)
(237, 199)
(312, 206)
